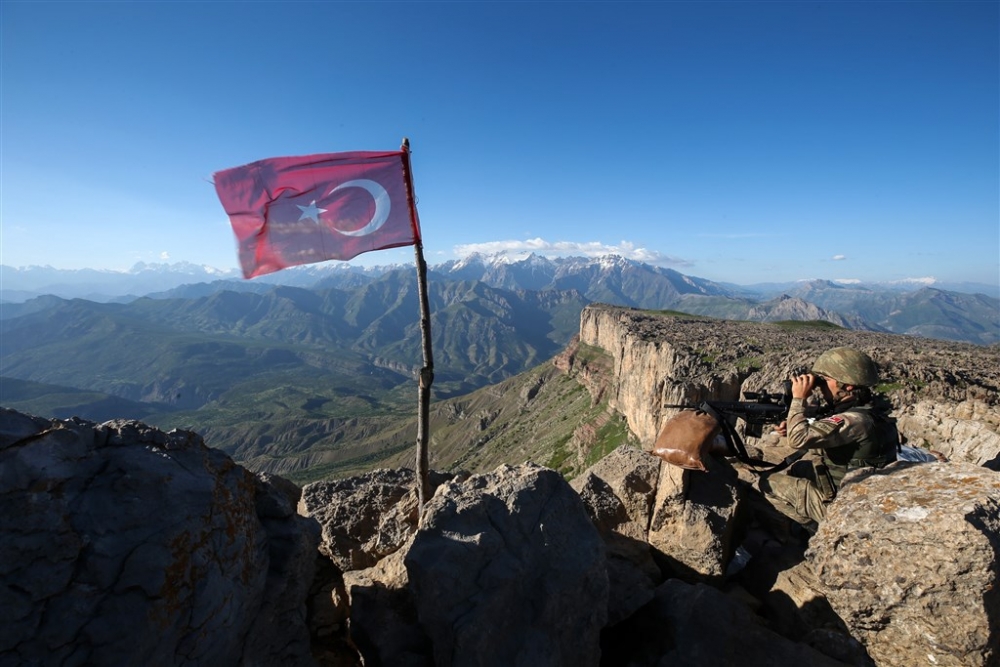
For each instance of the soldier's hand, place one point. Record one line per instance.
(802, 385)
(781, 429)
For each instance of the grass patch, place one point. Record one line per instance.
(806, 324)
(678, 313)
(585, 352)
(610, 437)
(346, 468)
(887, 387)
(559, 456)
(749, 364)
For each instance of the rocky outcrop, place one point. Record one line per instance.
(619, 492)
(648, 370)
(903, 571)
(646, 511)
(946, 394)
(638, 562)
(506, 569)
(382, 616)
(908, 557)
(695, 519)
(363, 518)
(964, 431)
(124, 545)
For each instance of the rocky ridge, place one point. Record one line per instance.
(642, 563)
(635, 562)
(124, 545)
(945, 394)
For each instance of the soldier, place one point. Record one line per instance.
(857, 432)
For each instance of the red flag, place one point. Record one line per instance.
(297, 210)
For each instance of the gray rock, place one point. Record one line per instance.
(124, 545)
(967, 432)
(695, 519)
(507, 569)
(383, 623)
(618, 492)
(908, 557)
(366, 517)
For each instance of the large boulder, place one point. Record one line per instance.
(908, 557)
(366, 517)
(507, 569)
(363, 518)
(124, 545)
(966, 432)
(618, 492)
(383, 615)
(696, 519)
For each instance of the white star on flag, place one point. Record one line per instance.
(311, 211)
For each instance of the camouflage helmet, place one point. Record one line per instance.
(847, 366)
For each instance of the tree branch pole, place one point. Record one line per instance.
(427, 372)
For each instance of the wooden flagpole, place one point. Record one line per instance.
(427, 372)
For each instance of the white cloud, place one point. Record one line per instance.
(164, 255)
(928, 280)
(847, 281)
(838, 258)
(572, 248)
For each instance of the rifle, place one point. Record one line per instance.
(758, 409)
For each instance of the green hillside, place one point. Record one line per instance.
(268, 376)
(543, 415)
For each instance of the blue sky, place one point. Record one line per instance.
(735, 141)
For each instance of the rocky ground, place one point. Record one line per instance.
(911, 368)
(122, 544)
(944, 394)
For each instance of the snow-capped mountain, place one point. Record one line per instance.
(913, 307)
(609, 278)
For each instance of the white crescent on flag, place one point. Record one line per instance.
(382, 205)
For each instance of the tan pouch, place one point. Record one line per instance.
(686, 439)
(824, 481)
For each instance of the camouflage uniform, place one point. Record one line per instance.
(853, 436)
(804, 491)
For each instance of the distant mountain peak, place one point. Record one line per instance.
(820, 283)
(189, 268)
(926, 281)
(613, 261)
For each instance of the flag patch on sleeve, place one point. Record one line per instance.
(828, 425)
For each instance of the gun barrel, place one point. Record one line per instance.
(750, 412)
(747, 410)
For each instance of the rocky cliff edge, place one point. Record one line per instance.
(945, 395)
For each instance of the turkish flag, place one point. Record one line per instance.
(298, 210)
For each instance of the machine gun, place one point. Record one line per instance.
(758, 409)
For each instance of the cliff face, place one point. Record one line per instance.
(945, 395)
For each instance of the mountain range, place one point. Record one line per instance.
(529, 271)
(271, 372)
